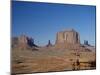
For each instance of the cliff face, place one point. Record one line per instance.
(23, 42)
(67, 39)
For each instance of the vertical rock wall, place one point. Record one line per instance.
(23, 42)
(68, 39)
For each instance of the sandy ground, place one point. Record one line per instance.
(49, 59)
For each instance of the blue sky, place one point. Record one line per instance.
(43, 20)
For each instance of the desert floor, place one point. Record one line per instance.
(50, 60)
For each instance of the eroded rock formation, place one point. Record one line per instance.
(23, 42)
(68, 39)
(49, 44)
(68, 36)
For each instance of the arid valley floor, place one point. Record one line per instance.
(26, 57)
(49, 60)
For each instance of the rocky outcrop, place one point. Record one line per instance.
(70, 39)
(23, 42)
(49, 44)
(86, 42)
(67, 39)
(68, 36)
(14, 41)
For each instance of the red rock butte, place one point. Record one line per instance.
(69, 39)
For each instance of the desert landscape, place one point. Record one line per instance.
(67, 54)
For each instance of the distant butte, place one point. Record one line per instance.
(68, 39)
(23, 42)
